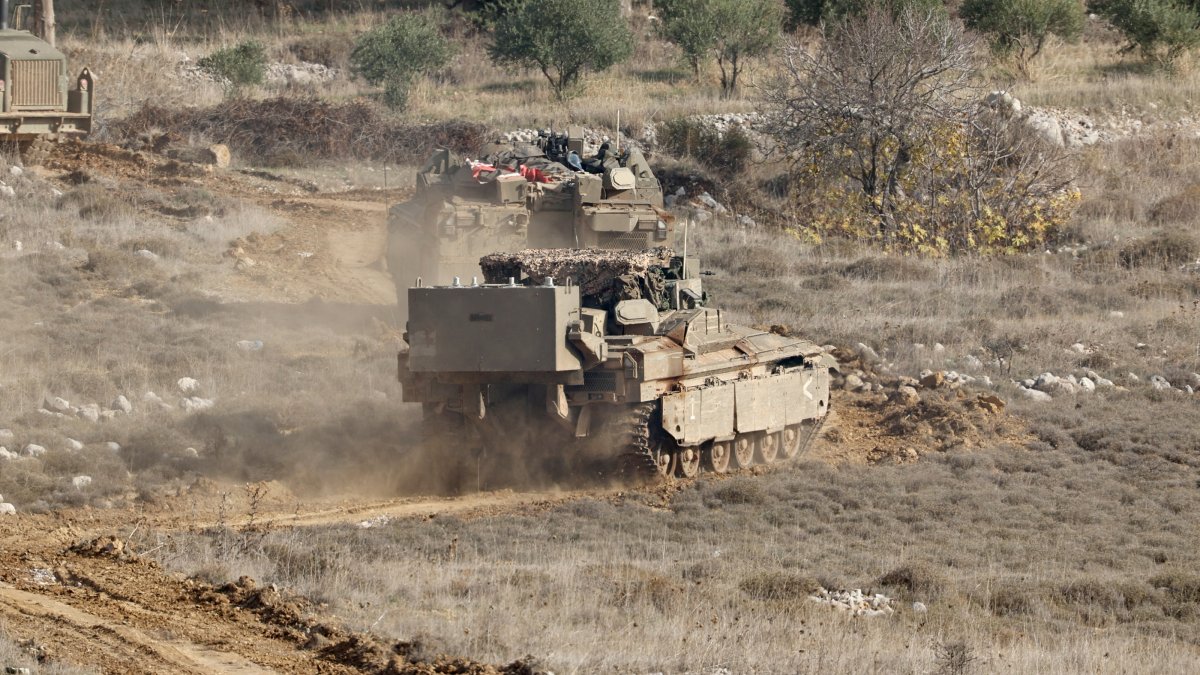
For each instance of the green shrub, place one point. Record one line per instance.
(1166, 248)
(396, 53)
(728, 153)
(241, 65)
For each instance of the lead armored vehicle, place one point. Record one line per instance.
(39, 102)
(608, 356)
(554, 193)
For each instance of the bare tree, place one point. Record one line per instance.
(885, 116)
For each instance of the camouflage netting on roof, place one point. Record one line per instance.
(605, 277)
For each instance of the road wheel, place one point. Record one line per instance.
(767, 447)
(688, 462)
(718, 455)
(743, 451)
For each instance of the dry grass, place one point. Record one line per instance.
(1047, 559)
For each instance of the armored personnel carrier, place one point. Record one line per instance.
(607, 355)
(39, 102)
(548, 194)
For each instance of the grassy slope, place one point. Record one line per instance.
(1043, 558)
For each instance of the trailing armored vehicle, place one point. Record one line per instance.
(39, 102)
(609, 357)
(548, 194)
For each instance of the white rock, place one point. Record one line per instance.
(1034, 394)
(919, 607)
(853, 382)
(1045, 381)
(33, 450)
(1116, 314)
(57, 404)
(18, 246)
(7, 455)
(111, 446)
(865, 350)
(250, 345)
(1159, 383)
(81, 482)
(144, 253)
(1102, 383)
(154, 400)
(7, 191)
(195, 404)
(188, 385)
(89, 412)
(1080, 348)
(122, 404)
(7, 509)
(972, 362)
(1087, 385)
(939, 347)
(15, 170)
(74, 445)
(191, 452)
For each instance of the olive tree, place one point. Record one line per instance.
(888, 142)
(1162, 30)
(816, 12)
(396, 53)
(733, 31)
(562, 38)
(1020, 27)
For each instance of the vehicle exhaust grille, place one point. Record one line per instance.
(35, 85)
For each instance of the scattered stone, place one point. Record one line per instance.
(932, 379)
(991, 403)
(80, 482)
(855, 602)
(1116, 314)
(1080, 348)
(57, 404)
(939, 347)
(7, 455)
(146, 253)
(906, 395)
(154, 400)
(1159, 383)
(7, 191)
(33, 450)
(919, 607)
(7, 509)
(1087, 385)
(195, 404)
(15, 170)
(89, 412)
(122, 404)
(188, 385)
(74, 445)
(865, 351)
(111, 446)
(853, 382)
(1045, 382)
(1035, 395)
(191, 452)
(250, 345)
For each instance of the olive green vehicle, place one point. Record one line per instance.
(544, 195)
(39, 102)
(609, 361)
